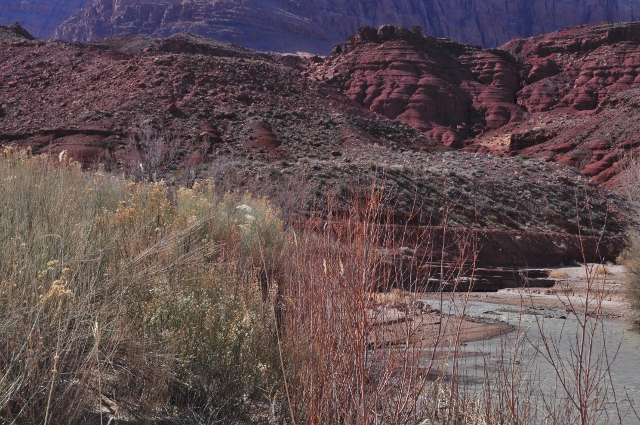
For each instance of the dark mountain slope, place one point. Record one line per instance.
(316, 25)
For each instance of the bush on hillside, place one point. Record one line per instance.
(630, 258)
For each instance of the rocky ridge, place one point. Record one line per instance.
(449, 91)
(316, 25)
(568, 96)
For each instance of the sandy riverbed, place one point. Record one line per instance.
(596, 288)
(601, 288)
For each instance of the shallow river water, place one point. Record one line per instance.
(521, 353)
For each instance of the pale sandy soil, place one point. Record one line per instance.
(601, 287)
(434, 330)
(595, 289)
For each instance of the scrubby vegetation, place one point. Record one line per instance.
(140, 302)
(129, 298)
(631, 259)
(631, 256)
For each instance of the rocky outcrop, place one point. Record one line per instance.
(14, 33)
(317, 25)
(39, 17)
(570, 96)
(449, 91)
(581, 87)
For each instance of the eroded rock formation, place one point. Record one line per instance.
(449, 91)
(570, 96)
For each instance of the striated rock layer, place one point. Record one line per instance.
(581, 87)
(449, 91)
(571, 96)
(316, 25)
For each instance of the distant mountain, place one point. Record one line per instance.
(316, 25)
(39, 17)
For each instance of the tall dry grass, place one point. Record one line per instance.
(631, 260)
(126, 299)
(355, 355)
(631, 256)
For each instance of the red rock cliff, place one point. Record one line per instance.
(571, 96)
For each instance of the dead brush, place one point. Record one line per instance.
(631, 260)
(601, 271)
(630, 257)
(558, 274)
(343, 365)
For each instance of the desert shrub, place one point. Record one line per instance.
(630, 258)
(601, 271)
(125, 297)
(337, 370)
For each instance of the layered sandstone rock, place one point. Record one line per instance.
(570, 96)
(316, 25)
(449, 91)
(582, 88)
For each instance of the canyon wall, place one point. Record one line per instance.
(570, 96)
(316, 25)
(39, 17)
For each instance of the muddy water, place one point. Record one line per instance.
(522, 354)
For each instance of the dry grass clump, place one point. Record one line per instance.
(124, 298)
(396, 295)
(601, 271)
(630, 258)
(558, 274)
(337, 372)
(345, 364)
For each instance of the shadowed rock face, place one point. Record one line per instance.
(39, 17)
(316, 25)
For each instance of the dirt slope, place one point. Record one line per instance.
(185, 108)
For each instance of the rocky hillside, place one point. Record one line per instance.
(40, 17)
(186, 108)
(570, 96)
(316, 25)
